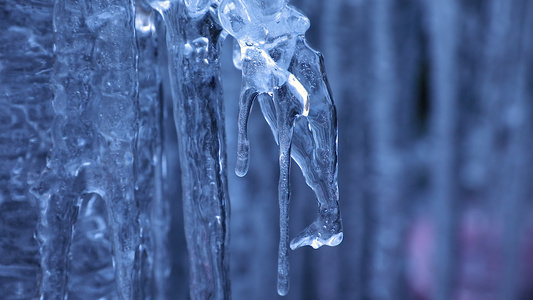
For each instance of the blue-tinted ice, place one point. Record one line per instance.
(194, 38)
(287, 77)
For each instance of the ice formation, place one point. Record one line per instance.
(194, 38)
(287, 77)
(94, 134)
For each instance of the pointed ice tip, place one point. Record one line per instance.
(283, 288)
(240, 173)
(241, 167)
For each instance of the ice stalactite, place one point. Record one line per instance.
(287, 77)
(194, 38)
(154, 218)
(91, 162)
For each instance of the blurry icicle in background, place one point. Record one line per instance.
(434, 102)
(153, 255)
(442, 19)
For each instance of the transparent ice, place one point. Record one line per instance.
(287, 77)
(26, 59)
(91, 163)
(193, 41)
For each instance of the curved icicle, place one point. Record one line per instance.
(286, 115)
(194, 39)
(243, 144)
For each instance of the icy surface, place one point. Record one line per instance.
(26, 59)
(287, 77)
(154, 218)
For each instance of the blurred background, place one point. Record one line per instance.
(435, 111)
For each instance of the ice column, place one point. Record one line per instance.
(94, 81)
(287, 77)
(154, 219)
(194, 38)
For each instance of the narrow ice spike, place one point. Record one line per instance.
(285, 124)
(284, 199)
(243, 144)
(196, 88)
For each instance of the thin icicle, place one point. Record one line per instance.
(154, 219)
(94, 132)
(194, 38)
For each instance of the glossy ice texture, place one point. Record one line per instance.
(154, 219)
(87, 191)
(194, 39)
(26, 59)
(287, 77)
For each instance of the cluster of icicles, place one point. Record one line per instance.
(287, 77)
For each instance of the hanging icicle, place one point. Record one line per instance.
(287, 77)
(194, 38)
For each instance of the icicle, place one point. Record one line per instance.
(194, 38)
(154, 219)
(94, 129)
(287, 77)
